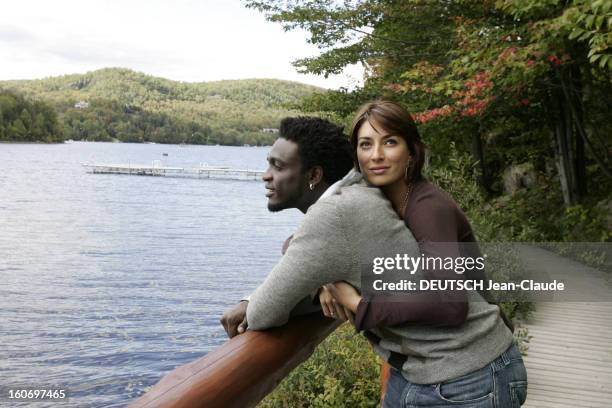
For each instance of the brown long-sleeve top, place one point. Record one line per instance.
(433, 217)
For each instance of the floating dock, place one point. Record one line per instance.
(156, 169)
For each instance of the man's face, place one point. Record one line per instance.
(283, 179)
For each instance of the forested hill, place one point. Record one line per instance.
(115, 103)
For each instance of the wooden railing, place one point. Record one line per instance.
(242, 371)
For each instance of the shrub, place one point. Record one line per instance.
(342, 372)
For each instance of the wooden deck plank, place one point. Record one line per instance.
(577, 389)
(569, 360)
(571, 347)
(578, 371)
(560, 335)
(587, 352)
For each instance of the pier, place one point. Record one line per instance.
(156, 169)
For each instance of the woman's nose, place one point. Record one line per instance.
(377, 153)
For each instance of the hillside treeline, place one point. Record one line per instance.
(23, 120)
(120, 104)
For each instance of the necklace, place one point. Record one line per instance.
(405, 204)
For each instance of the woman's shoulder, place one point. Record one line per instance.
(426, 194)
(433, 213)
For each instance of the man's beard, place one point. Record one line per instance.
(276, 207)
(290, 202)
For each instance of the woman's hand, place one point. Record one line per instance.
(329, 305)
(345, 295)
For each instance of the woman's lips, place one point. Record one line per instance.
(379, 170)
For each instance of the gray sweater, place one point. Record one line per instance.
(337, 240)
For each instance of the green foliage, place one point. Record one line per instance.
(521, 217)
(130, 106)
(27, 121)
(580, 223)
(485, 77)
(342, 372)
(585, 22)
(344, 30)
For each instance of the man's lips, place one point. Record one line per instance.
(269, 192)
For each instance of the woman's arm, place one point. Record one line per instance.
(331, 307)
(433, 218)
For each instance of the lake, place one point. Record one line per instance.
(107, 282)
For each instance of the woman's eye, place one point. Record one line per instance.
(364, 145)
(391, 142)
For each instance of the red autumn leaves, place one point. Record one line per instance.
(472, 100)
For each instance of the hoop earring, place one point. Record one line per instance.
(311, 186)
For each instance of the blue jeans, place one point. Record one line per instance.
(500, 384)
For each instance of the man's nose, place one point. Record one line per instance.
(266, 175)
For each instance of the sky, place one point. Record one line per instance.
(183, 40)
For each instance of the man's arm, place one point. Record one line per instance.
(319, 253)
(234, 320)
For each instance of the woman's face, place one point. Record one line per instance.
(382, 157)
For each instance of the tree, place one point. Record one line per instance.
(472, 72)
(18, 131)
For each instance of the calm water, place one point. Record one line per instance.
(108, 281)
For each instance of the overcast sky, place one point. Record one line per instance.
(185, 40)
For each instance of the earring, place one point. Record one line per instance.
(407, 168)
(311, 186)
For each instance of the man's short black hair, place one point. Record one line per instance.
(320, 143)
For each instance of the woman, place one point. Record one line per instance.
(390, 155)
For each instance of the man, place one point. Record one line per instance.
(310, 155)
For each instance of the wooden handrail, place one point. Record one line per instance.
(242, 371)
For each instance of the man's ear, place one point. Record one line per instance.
(315, 176)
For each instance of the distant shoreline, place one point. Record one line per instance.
(120, 142)
(27, 142)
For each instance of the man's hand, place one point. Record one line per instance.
(234, 320)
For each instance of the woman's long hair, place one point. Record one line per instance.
(397, 121)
